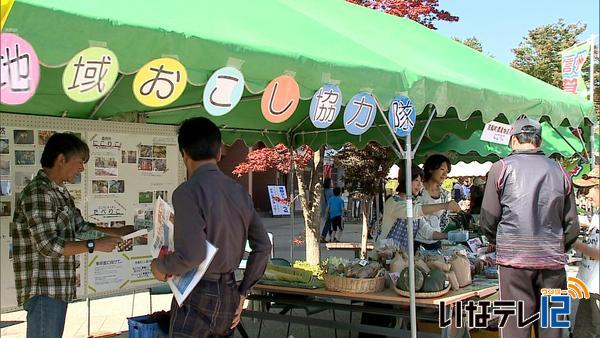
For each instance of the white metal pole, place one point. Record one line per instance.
(593, 146)
(409, 226)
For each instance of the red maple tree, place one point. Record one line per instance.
(309, 186)
(425, 12)
(278, 157)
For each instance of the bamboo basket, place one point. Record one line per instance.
(356, 285)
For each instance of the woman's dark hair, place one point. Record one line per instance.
(416, 172)
(67, 144)
(200, 138)
(434, 162)
(327, 183)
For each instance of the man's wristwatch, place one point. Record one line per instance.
(90, 245)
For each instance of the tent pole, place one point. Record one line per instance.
(291, 194)
(392, 132)
(568, 143)
(101, 103)
(594, 145)
(409, 227)
(409, 220)
(431, 116)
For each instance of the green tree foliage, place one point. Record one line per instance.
(472, 42)
(539, 53)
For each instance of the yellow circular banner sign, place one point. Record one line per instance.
(160, 82)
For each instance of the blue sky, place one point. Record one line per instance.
(501, 24)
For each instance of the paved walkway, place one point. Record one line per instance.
(109, 315)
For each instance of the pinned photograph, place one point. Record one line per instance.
(5, 188)
(162, 194)
(116, 187)
(44, 135)
(145, 151)
(23, 178)
(5, 208)
(4, 167)
(160, 165)
(99, 187)
(145, 164)
(24, 157)
(23, 136)
(4, 149)
(159, 151)
(128, 156)
(145, 197)
(105, 166)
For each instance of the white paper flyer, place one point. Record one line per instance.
(162, 236)
(183, 285)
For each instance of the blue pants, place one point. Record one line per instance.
(45, 317)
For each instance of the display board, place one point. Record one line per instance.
(278, 198)
(130, 166)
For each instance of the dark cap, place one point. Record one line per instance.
(526, 125)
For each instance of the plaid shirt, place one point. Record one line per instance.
(45, 218)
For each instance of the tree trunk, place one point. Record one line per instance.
(366, 203)
(310, 197)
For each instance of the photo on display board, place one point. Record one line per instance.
(4, 148)
(44, 135)
(145, 197)
(116, 187)
(159, 151)
(145, 164)
(5, 208)
(146, 151)
(24, 157)
(4, 167)
(99, 187)
(143, 218)
(159, 165)
(5, 188)
(128, 156)
(23, 178)
(105, 166)
(162, 194)
(23, 136)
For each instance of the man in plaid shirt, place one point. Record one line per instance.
(44, 231)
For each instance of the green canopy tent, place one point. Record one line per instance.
(555, 142)
(318, 41)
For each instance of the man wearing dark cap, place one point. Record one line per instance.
(529, 212)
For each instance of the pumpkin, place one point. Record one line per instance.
(403, 280)
(435, 281)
